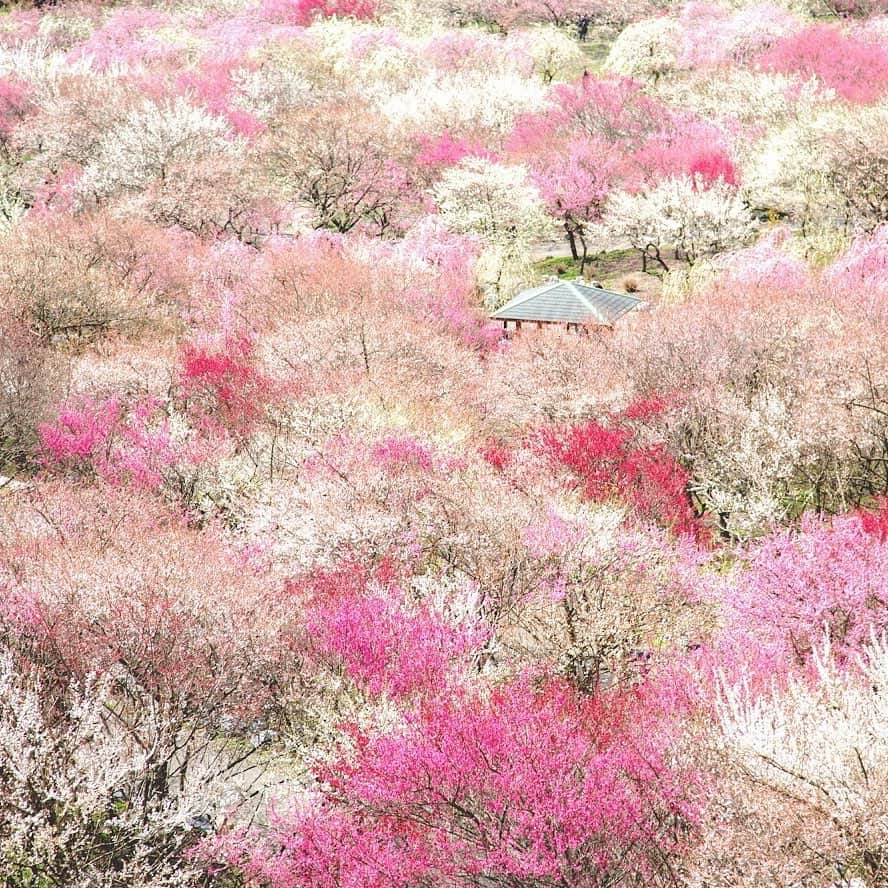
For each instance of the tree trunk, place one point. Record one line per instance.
(585, 254)
(572, 240)
(655, 255)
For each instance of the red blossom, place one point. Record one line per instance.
(609, 463)
(223, 385)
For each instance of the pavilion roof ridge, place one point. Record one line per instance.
(567, 301)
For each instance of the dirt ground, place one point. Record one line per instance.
(618, 270)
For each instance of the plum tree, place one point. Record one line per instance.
(683, 213)
(501, 207)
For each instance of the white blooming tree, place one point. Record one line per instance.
(646, 50)
(78, 803)
(828, 169)
(752, 97)
(857, 164)
(748, 478)
(683, 213)
(804, 800)
(12, 207)
(150, 142)
(461, 101)
(497, 204)
(556, 56)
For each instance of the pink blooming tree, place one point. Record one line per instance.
(766, 267)
(366, 625)
(714, 35)
(823, 579)
(582, 148)
(81, 435)
(688, 146)
(122, 443)
(14, 104)
(126, 38)
(574, 181)
(436, 153)
(614, 109)
(215, 86)
(221, 399)
(875, 521)
(856, 69)
(860, 276)
(304, 12)
(161, 615)
(223, 387)
(528, 786)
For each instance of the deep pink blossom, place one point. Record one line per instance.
(303, 12)
(529, 784)
(223, 386)
(383, 640)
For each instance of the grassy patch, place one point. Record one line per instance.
(597, 45)
(599, 266)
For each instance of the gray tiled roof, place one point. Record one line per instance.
(571, 302)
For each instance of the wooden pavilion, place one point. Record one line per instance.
(578, 304)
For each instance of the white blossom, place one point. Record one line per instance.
(150, 141)
(683, 213)
(645, 50)
(491, 200)
(268, 90)
(823, 741)
(463, 100)
(556, 55)
(72, 789)
(498, 204)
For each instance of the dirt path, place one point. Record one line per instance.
(549, 249)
